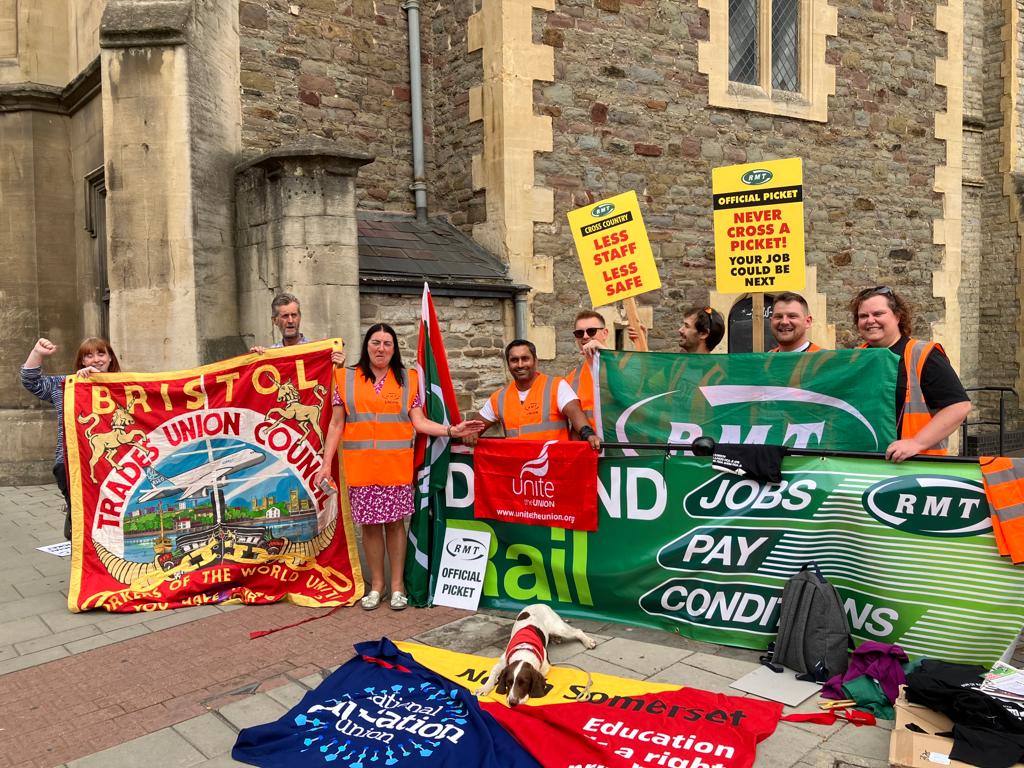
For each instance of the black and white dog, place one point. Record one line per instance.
(521, 670)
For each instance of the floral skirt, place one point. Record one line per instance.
(378, 504)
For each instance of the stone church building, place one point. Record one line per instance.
(168, 165)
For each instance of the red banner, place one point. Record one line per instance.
(195, 487)
(551, 483)
(686, 728)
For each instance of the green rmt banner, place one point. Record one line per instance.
(840, 400)
(685, 548)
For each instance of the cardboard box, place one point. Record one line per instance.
(908, 749)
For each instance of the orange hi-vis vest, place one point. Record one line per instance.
(812, 347)
(1004, 487)
(378, 439)
(537, 417)
(581, 379)
(915, 410)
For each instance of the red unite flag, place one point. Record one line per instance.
(552, 483)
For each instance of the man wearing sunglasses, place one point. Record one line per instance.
(931, 403)
(591, 335)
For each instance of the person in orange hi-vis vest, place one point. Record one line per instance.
(534, 406)
(1004, 487)
(931, 403)
(376, 410)
(590, 334)
(791, 320)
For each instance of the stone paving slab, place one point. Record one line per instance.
(173, 749)
(254, 710)
(208, 733)
(643, 659)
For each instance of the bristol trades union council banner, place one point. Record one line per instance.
(196, 487)
(682, 547)
(816, 400)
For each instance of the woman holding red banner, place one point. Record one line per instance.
(95, 355)
(377, 408)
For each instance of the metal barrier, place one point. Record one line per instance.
(1002, 417)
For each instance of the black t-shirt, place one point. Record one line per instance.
(939, 383)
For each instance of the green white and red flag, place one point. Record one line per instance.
(439, 404)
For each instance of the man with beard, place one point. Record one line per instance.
(790, 322)
(534, 406)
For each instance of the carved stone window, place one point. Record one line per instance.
(769, 56)
(96, 226)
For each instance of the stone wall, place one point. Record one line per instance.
(997, 365)
(337, 71)
(453, 138)
(634, 115)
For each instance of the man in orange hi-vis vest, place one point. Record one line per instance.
(791, 320)
(591, 334)
(534, 406)
(931, 403)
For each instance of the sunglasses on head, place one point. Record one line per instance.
(591, 332)
(878, 290)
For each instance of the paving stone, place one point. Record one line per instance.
(312, 681)
(567, 648)
(683, 674)
(165, 747)
(721, 665)
(32, 659)
(7, 652)
(108, 621)
(658, 637)
(591, 663)
(224, 761)
(468, 634)
(252, 710)
(43, 585)
(644, 659)
(872, 743)
(58, 638)
(20, 630)
(24, 607)
(181, 616)
(208, 733)
(786, 747)
(107, 638)
(8, 594)
(63, 620)
(288, 694)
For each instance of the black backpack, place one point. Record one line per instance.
(813, 635)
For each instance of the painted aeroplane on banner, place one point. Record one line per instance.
(200, 481)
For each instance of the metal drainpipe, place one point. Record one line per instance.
(419, 181)
(520, 313)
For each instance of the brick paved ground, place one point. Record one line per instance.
(74, 684)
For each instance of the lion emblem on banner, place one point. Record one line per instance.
(106, 444)
(305, 416)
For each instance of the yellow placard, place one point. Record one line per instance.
(614, 251)
(759, 227)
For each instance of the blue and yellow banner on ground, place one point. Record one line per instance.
(759, 227)
(614, 251)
